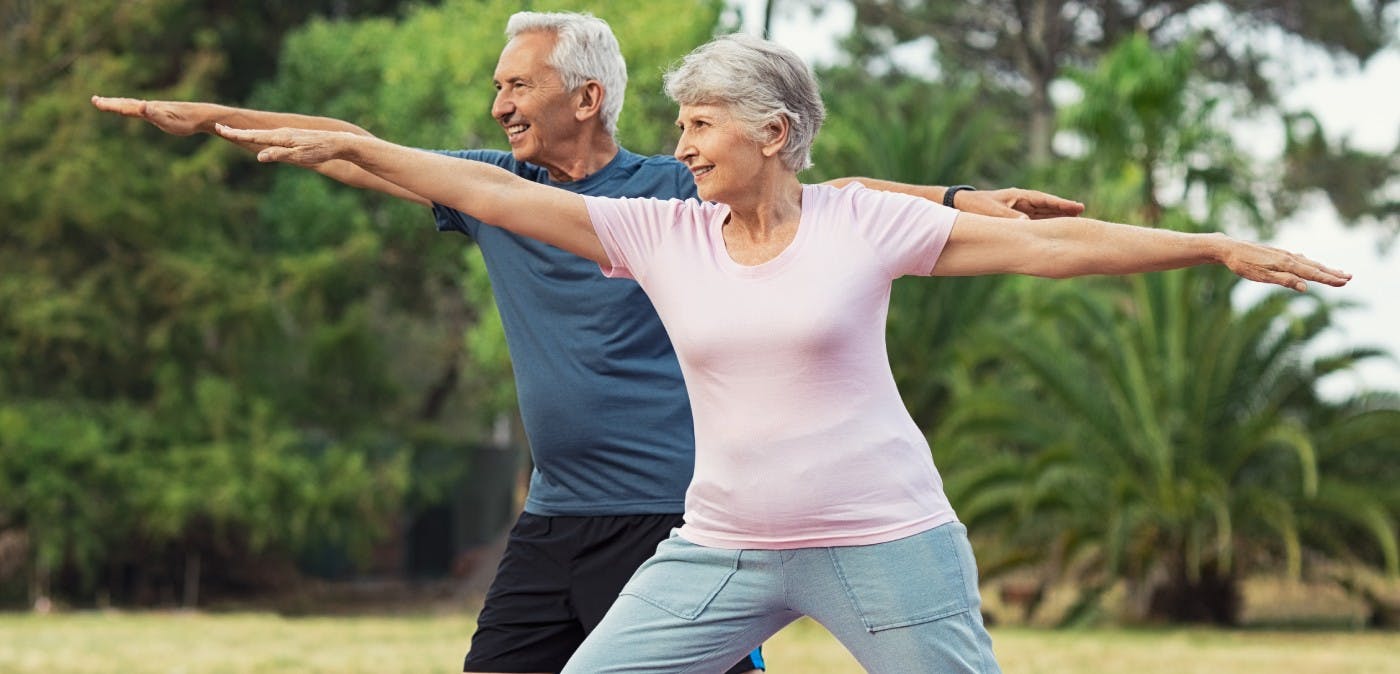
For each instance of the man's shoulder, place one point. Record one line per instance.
(660, 176)
(500, 158)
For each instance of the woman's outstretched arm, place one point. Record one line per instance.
(488, 193)
(1065, 247)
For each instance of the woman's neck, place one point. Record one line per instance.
(772, 207)
(761, 228)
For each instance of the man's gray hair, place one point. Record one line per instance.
(584, 49)
(758, 81)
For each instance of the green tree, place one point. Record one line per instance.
(143, 325)
(203, 357)
(1026, 46)
(1148, 432)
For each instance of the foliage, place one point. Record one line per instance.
(1148, 431)
(1026, 47)
(201, 352)
(1150, 136)
(158, 380)
(1159, 436)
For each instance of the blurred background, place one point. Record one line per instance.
(225, 384)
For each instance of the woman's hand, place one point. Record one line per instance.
(302, 147)
(1267, 264)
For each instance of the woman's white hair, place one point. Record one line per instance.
(584, 49)
(758, 81)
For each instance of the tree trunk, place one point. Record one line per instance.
(1214, 598)
(192, 573)
(39, 590)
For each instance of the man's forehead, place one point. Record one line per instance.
(526, 54)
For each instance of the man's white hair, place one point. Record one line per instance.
(584, 49)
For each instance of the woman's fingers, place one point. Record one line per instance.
(246, 135)
(1267, 264)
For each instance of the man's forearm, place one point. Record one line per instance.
(338, 170)
(245, 118)
(930, 192)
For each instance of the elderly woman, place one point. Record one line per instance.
(814, 493)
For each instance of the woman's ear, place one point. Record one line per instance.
(775, 134)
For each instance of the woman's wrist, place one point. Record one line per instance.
(1216, 246)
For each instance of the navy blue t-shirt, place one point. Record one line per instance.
(600, 391)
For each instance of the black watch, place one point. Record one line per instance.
(953, 191)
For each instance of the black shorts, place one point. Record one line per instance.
(558, 577)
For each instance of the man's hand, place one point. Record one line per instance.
(173, 117)
(1014, 202)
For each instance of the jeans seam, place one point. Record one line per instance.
(846, 585)
(975, 629)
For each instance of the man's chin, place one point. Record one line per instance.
(524, 154)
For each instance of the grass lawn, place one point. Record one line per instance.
(176, 643)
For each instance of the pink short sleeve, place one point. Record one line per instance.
(631, 230)
(907, 233)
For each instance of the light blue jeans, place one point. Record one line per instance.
(902, 607)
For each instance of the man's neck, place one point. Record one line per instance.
(584, 159)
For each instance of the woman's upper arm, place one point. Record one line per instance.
(982, 244)
(556, 217)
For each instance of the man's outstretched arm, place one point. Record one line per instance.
(1008, 202)
(183, 118)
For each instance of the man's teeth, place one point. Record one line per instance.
(516, 128)
(703, 170)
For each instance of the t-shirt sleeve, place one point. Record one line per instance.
(907, 233)
(450, 219)
(631, 230)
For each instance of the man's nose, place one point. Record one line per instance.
(501, 106)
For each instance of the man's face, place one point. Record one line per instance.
(531, 103)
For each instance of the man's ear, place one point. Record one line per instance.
(776, 133)
(590, 100)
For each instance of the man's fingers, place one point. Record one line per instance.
(1039, 205)
(1044, 204)
(1006, 211)
(130, 107)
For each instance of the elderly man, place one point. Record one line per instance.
(600, 391)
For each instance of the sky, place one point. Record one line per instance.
(1361, 104)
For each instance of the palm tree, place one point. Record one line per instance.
(1148, 432)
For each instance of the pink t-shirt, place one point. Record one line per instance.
(801, 438)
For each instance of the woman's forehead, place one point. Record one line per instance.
(690, 110)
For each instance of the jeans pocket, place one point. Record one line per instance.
(917, 579)
(682, 578)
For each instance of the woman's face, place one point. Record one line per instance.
(724, 160)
